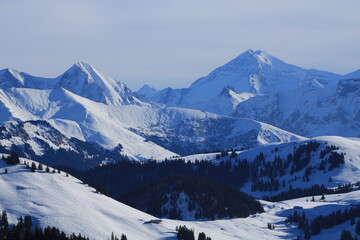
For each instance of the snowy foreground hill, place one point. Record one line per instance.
(317, 167)
(65, 202)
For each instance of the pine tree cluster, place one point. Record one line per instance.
(12, 159)
(346, 235)
(184, 233)
(208, 199)
(311, 191)
(121, 177)
(324, 222)
(24, 230)
(114, 237)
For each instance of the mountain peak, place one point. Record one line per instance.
(11, 78)
(86, 81)
(264, 57)
(81, 68)
(251, 58)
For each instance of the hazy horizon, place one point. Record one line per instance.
(167, 43)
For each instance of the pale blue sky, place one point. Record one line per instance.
(174, 42)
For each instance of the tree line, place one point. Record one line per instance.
(320, 222)
(24, 229)
(204, 198)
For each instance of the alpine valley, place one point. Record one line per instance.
(257, 149)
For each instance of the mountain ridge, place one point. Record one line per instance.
(77, 101)
(258, 86)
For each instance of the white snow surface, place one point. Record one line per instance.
(347, 172)
(65, 202)
(259, 86)
(255, 72)
(85, 104)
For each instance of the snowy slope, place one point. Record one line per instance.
(70, 205)
(251, 72)
(81, 79)
(309, 112)
(84, 80)
(347, 172)
(74, 207)
(187, 131)
(259, 86)
(84, 104)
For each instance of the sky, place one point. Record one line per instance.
(171, 43)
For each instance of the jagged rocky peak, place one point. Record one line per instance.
(86, 81)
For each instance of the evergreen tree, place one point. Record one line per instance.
(114, 237)
(4, 221)
(47, 169)
(202, 236)
(322, 197)
(5, 171)
(40, 166)
(33, 167)
(346, 235)
(123, 237)
(357, 228)
(185, 234)
(13, 159)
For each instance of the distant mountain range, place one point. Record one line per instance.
(256, 124)
(259, 86)
(86, 105)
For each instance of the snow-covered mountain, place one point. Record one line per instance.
(259, 86)
(40, 140)
(314, 112)
(146, 92)
(81, 79)
(251, 72)
(188, 131)
(84, 104)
